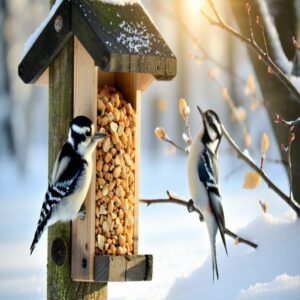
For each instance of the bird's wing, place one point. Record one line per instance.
(67, 177)
(206, 175)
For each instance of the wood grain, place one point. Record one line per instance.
(84, 103)
(123, 268)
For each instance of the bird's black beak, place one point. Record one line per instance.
(201, 112)
(98, 136)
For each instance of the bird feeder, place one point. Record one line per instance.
(118, 51)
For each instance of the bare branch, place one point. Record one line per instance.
(227, 97)
(175, 200)
(295, 206)
(290, 125)
(171, 142)
(273, 68)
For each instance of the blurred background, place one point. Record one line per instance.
(214, 71)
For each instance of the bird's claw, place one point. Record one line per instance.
(190, 206)
(201, 218)
(82, 212)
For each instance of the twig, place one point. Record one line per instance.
(227, 97)
(248, 7)
(172, 199)
(295, 206)
(263, 55)
(205, 55)
(290, 125)
(168, 140)
(263, 35)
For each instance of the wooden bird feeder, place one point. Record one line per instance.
(116, 46)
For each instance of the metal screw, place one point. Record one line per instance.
(58, 23)
(84, 263)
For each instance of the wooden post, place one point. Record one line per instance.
(85, 103)
(59, 283)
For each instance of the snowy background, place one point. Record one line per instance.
(177, 239)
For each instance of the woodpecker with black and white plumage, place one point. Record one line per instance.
(203, 177)
(71, 176)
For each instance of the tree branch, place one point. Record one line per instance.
(290, 125)
(172, 199)
(263, 175)
(171, 142)
(294, 205)
(273, 68)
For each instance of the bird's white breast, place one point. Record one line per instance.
(69, 207)
(197, 189)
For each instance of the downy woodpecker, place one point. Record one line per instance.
(71, 176)
(203, 177)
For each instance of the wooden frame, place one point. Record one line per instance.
(85, 265)
(97, 26)
(95, 58)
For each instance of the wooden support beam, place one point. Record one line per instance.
(123, 268)
(60, 115)
(84, 103)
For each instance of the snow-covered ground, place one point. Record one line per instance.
(178, 241)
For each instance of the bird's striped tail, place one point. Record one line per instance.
(40, 229)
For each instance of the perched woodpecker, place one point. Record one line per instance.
(71, 176)
(203, 177)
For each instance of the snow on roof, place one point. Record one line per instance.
(134, 43)
(121, 2)
(32, 38)
(135, 37)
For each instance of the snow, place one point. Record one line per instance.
(270, 272)
(33, 37)
(135, 37)
(280, 57)
(178, 241)
(282, 287)
(296, 82)
(247, 154)
(121, 2)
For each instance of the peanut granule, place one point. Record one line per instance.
(115, 174)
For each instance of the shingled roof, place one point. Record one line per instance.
(120, 38)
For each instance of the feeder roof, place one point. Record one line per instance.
(120, 38)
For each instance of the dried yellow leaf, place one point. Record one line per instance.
(264, 206)
(248, 139)
(241, 113)
(184, 110)
(160, 133)
(224, 93)
(250, 85)
(264, 143)
(162, 105)
(252, 180)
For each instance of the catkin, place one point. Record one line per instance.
(115, 173)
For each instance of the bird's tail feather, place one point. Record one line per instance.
(219, 216)
(37, 235)
(212, 231)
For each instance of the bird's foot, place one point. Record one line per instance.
(201, 218)
(190, 206)
(82, 212)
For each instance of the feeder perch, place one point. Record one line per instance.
(120, 47)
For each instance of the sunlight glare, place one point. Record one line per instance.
(195, 4)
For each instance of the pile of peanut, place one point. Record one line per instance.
(115, 174)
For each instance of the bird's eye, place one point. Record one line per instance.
(88, 133)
